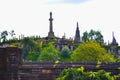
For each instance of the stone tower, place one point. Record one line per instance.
(50, 33)
(114, 42)
(77, 35)
(114, 46)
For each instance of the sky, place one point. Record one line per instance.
(31, 17)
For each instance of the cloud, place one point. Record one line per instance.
(74, 1)
(65, 1)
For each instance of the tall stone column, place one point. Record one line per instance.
(51, 33)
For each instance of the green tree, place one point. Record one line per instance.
(85, 37)
(31, 49)
(12, 33)
(80, 74)
(99, 37)
(91, 52)
(93, 35)
(4, 35)
(49, 53)
(65, 52)
(117, 60)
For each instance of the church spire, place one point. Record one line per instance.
(51, 33)
(114, 40)
(77, 34)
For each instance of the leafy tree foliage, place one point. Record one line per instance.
(117, 60)
(4, 35)
(12, 33)
(65, 52)
(75, 46)
(91, 52)
(49, 53)
(80, 74)
(94, 36)
(85, 37)
(31, 49)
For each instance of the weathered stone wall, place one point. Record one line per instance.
(2, 64)
(10, 59)
(12, 67)
(50, 71)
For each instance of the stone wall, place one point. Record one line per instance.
(10, 59)
(50, 71)
(12, 67)
(2, 64)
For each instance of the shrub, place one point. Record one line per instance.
(80, 74)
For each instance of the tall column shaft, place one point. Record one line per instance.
(51, 25)
(51, 33)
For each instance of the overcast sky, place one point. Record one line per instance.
(30, 17)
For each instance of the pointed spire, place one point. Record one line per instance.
(77, 24)
(114, 40)
(77, 34)
(77, 27)
(113, 34)
(51, 33)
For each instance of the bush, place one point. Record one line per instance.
(49, 54)
(91, 52)
(80, 74)
(65, 52)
